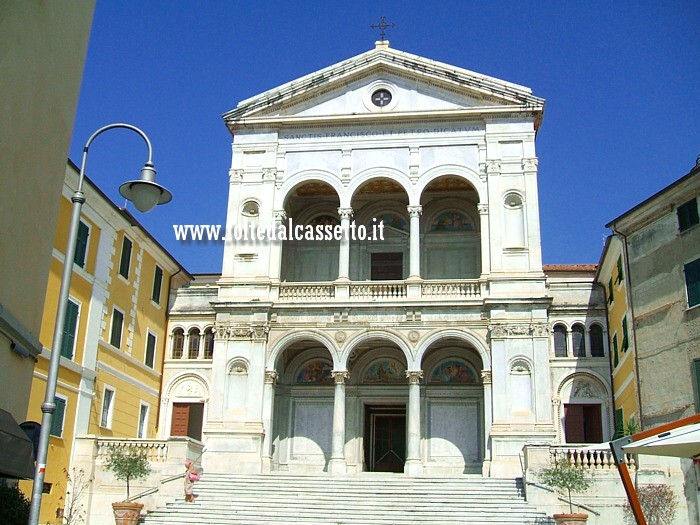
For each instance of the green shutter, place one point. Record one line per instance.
(125, 260)
(620, 273)
(692, 282)
(616, 357)
(58, 416)
(696, 377)
(610, 291)
(150, 350)
(69, 330)
(157, 284)
(625, 335)
(81, 245)
(117, 324)
(619, 423)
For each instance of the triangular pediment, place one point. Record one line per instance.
(413, 85)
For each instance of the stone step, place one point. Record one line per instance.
(280, 499)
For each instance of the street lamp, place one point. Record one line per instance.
(145, 194)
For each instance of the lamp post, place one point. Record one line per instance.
(145, 194)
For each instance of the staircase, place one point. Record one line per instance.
(368, 499)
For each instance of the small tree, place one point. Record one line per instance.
(658, 502)
(127, 466)
(78, 485)
(566, 477)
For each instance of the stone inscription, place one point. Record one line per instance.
(387, 133)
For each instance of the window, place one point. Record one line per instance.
(107, 408)
(193, 345)
(115, 337)
(611, 295)
(81, 244)
(616, 357)
(386, 266)
(578, 334)
(58, 417)
(143, 421)
(688, 214)
(560, 346)
(597, 344)
(178, 343)
(157, 284)
(208, 343)
(625, 335)
(620, 273)
(70, 327)
(125, 261)
(692, 282)
(150, 350)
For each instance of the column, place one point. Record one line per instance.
(485, 240)
(276, 247)
(337, 464)
(268, 410)
(413, 466)
(414, 213)
(488, 419)
(344, 256)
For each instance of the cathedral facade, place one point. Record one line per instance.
(382, 304)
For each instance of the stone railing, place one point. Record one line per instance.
(384, 290)
(451, 288)
(156, 449)
(166, 459)
(306, 291)
(587, 457)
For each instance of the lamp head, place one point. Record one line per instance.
(145, 193)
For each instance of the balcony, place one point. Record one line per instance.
(368, 291)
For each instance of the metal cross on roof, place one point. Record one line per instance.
(382, 25)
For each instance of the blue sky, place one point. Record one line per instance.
(622, 84)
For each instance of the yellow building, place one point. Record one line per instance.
(114, 335)
(612, 276)
(43, 53)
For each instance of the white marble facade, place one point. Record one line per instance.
(431, 351)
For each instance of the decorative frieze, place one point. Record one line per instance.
(518, 330)
(270, 174)
(235, 175)
(530, 164)
(228, 332)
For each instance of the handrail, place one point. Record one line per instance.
(155, 489)
(562, 498)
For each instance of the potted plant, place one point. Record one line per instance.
(567, 478)
(127, 466)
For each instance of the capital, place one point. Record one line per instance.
(279, 215)
(483, 208)
(486, 377)
(339, 376)
(414, 376)
(271, 377)
(345, 213)
(414, 211)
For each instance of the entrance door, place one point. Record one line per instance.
(582, 423)
(385, 439)
(187, 420)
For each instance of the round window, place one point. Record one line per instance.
(381, 98)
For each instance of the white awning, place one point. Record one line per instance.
(683, 442)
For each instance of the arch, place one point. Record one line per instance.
(237, 365)
(182, 378)
(471, 176)
(591, 375)
(561, 339)
(369, 174)
(300, 177)
(476, 342)
(177, 343)
(294, 337)
(578, 339)
(596, 335)
(394, 337)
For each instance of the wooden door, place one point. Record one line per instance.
(180, 419)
